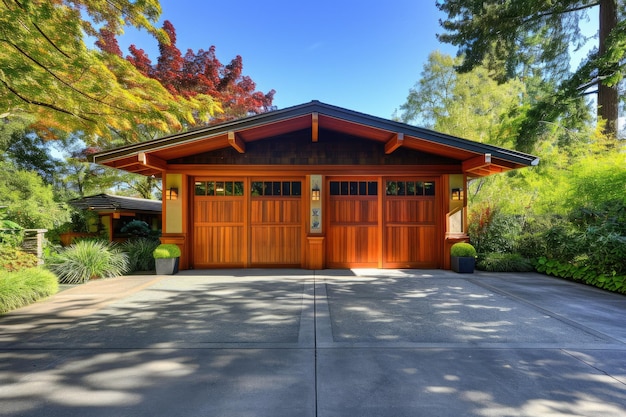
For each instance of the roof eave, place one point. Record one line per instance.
(207, 133)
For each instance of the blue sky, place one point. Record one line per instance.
(362, 55)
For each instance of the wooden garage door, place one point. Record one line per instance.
(353, 234)
(276, 223)
(219, 214)
(247, 223)
(410, 226)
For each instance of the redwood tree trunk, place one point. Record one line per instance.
(607, 96)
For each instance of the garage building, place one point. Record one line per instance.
(314, 186)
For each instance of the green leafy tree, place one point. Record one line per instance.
(429, 99)
(29, 201)
(47, 70)
(470, 105)
(29, 152)
(530, 38)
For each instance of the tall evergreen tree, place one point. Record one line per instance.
(515, 37)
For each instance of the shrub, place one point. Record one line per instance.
(530, 245)
(462, 249)
(166, 250)
(21, 288)
(82, 221)
(491, 230)
(12, 259)
(585, 274)
(10, 233)
(504, 262)
(139, 253)
(88, 259)
(137, 228)
(590, 237)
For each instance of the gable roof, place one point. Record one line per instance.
(150, 158)
(107, 203)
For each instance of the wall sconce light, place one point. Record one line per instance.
(315, 193)
(456, 193)
(171, 194)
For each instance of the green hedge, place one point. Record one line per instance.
(24, 287)
(503, 262)
(585, 274)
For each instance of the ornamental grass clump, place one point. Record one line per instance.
(139, 253)
(24, 287)
(89, 259)
(463, 250)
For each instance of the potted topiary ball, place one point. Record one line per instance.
(462, 258)
(166, 258)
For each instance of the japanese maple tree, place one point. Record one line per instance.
(198, 74)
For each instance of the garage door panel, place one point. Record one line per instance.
(410, 223)
(345, 210)
(276, 245)
(410, 246)
(276, 211)
(276, 231)
(218, 245)
(353, 239)
(218, 236)
(353, 246)
(400, 210)
(213, 210)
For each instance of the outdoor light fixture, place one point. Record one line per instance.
(315, 193)
(456, 193)
(172, 194)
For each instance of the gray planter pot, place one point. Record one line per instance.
(166, 266)
(463, 264)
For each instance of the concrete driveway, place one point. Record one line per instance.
(324, 343)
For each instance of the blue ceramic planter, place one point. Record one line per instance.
(463, 264)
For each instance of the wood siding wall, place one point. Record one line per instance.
(297, 149)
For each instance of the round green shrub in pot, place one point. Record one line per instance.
(166, 258)
(463, 249)
(462, 257)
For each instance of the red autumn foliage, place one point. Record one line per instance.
(198, 73)
(108, 42)
(140, 60)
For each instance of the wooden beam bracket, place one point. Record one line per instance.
(477, 163)
(315, 127)
(152, 161)
(236, 142)
(394, 143)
